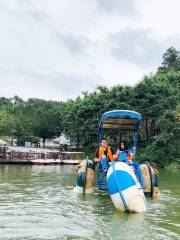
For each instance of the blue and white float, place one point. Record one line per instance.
(124, 188)
(85, 177)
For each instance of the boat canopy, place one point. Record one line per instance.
(120, 119)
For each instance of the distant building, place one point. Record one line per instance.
(62, 140)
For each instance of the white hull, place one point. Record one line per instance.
(45, 161)
(124, 189)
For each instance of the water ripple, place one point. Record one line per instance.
(39, 203)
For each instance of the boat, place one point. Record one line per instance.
(126, 180)
(39, 156)
(120, 180)
(40, 161)
(61, 157)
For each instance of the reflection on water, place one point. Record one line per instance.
(38, 202)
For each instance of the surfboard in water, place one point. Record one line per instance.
(125, 190)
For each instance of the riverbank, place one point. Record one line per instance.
(174, 165)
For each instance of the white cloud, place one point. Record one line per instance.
(56, 49)
(160, 17)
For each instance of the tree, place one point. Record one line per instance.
(171, 60)
(7, 123)
(46, 119)
(152, 97)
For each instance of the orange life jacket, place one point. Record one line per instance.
(129, 157)
(109, 153)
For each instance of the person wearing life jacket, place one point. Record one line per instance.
(105, 154)
(121, 154)
(125, 155)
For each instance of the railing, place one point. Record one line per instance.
(5, 154)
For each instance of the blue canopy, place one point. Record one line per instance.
(120, 119)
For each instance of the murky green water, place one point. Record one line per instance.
(38, 202)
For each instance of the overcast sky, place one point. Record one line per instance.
(55, 49)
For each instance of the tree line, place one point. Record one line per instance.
(156, 97)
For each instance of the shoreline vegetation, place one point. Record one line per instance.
(156, 97)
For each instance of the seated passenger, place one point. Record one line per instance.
(121, 153)
(125, 155)
(105, 154)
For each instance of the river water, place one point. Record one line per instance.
(38, 202)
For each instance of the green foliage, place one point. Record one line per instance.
(7, 123)
(163, 148)
(30, 120)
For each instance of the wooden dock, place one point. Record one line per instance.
(5, 161)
